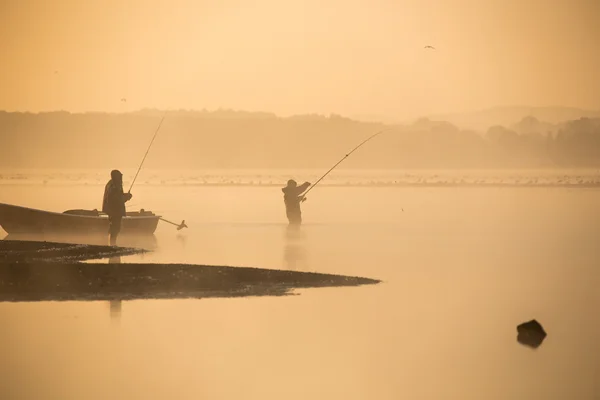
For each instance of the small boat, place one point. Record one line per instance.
(20, 220)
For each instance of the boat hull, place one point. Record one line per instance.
(23, 220)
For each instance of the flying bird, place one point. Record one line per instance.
(429, 47)
(124, 100)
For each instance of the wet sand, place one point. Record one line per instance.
(29, 271)
(16, 251)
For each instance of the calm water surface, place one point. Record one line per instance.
(461, 268)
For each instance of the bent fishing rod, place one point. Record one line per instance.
(179, 226)
(339, 162)
(144, 159)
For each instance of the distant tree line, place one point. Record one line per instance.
(232, 139)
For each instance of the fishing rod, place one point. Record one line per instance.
(339, 162)
(179, 226)
(143, 159)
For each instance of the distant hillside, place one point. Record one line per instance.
(507, 116)
(232, 139)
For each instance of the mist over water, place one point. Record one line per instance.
(475, 208)
(163, 179)
(461, 267)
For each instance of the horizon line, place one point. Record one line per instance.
(325, 115)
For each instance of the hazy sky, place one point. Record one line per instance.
(353, 57)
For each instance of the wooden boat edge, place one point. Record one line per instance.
(75, 216)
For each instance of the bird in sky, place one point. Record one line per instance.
(430, 47)
(124, 100)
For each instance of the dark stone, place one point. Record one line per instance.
(531, 334)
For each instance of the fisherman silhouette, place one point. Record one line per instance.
(113, 204)
(292, 197)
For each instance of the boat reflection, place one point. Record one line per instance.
(146, 242)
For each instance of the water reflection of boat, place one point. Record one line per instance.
(17, 219)
(147, 242)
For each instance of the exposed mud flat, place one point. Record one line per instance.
(16, 251)
(51, 281)
(45, 271)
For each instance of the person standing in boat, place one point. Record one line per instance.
(113, 204)
(292, 197)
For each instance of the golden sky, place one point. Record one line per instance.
(352, 57)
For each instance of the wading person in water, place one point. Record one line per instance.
(113, 204)
(292, 197)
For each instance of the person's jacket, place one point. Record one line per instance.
(291, 195)
(114, 200)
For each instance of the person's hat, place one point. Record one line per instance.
(115, 174)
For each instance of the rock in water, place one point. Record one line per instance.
(531, 334)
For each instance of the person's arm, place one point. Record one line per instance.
(124, 197)
(302, 188)
(106, 199)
